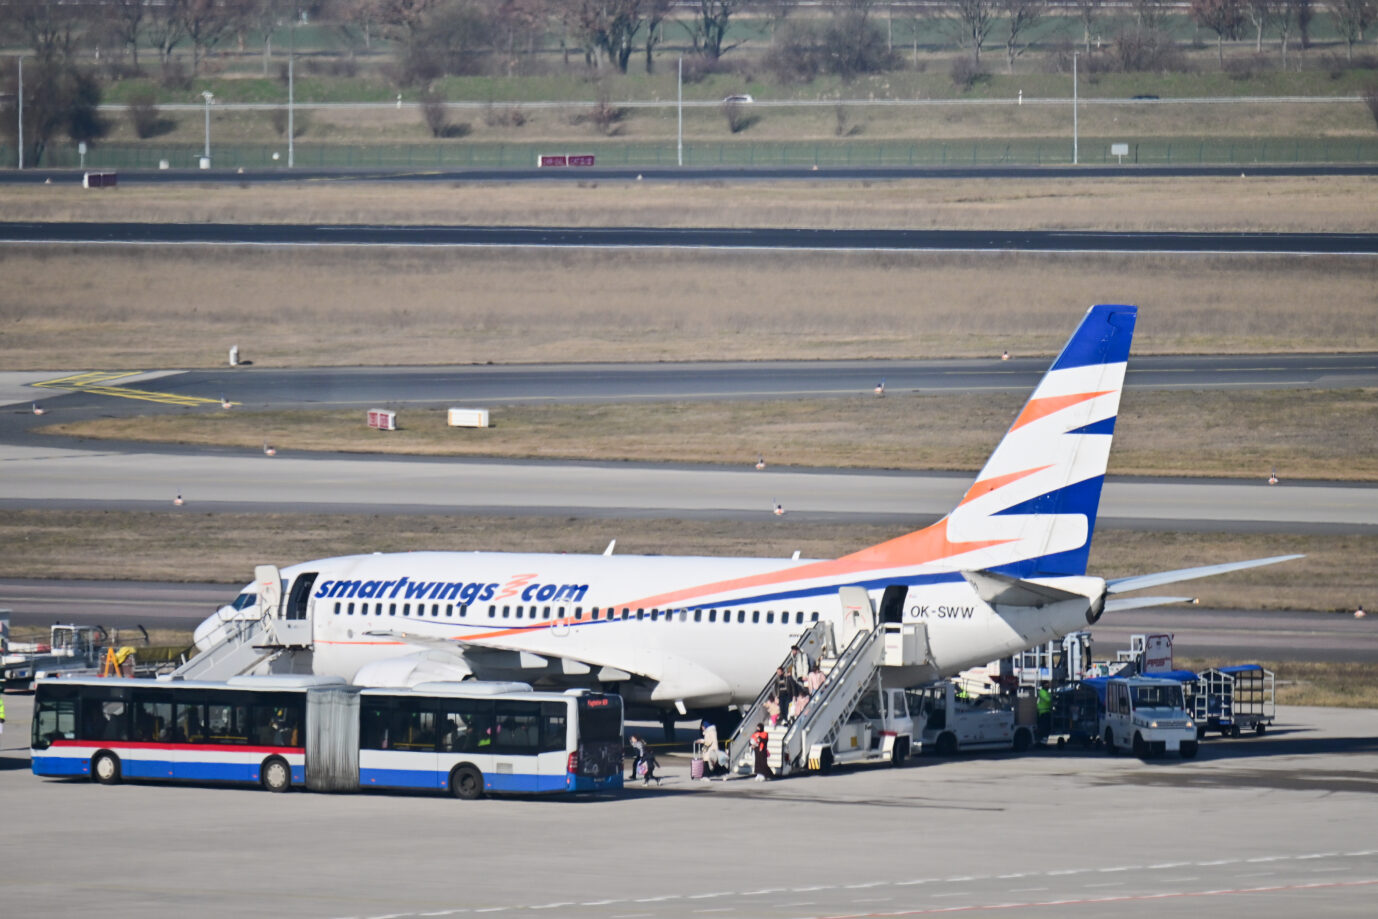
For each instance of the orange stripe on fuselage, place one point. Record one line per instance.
(911, 550)
(986, 486)
(1041, 408)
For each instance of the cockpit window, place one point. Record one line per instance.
(244, 600)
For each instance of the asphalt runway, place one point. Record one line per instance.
(688, 173)
(1272, 827)
(509, 384)
(1242, 635)
(168, 234)
(247, 481)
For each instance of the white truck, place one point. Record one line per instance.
(949, 722)
(1145, 716)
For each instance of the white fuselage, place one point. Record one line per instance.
(694, 631)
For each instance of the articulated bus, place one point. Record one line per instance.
(319, 733)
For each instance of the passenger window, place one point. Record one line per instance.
(712, 615)
(349, 611)
(698, 615)
(640, 613)
(392, 609)
(741, 616)
(755, 616)
(506, 612)
(578, 613)
(814, 618)
(492, 611)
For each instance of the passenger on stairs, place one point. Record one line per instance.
(760, 743)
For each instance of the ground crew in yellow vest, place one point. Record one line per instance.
(2, 714)
(1045, 710)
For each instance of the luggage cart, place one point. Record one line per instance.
(1235, 699)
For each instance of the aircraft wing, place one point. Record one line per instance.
(1138, 582)
(499, 654)
(1120, 604)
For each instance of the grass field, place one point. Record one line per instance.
(1307, 204)
(145, 308)
(1322, 434)
(182, 544)
(1338, 685)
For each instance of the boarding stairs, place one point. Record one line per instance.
(250, 642)
(849, 675)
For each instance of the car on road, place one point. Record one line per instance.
(738, 99)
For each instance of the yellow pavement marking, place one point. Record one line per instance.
(96, 382)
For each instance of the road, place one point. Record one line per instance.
(168, 234)
(438, 387)
(690, 173)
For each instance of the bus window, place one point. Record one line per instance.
(554, 726)
(152, 719)
(519, 727)
(400, 723)
(55, 716)
(466, 725)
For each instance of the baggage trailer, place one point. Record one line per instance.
(1235, 699)
(1075, 717)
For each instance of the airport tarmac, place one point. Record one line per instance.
(1271, 826)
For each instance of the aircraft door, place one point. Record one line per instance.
(892, 604)
(299, 600)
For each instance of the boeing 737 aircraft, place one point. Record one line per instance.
(1005, 570)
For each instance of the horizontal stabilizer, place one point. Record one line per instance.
(1005, 590)
(1139, 582)
(1120, 604)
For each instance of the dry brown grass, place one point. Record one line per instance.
(1322, 434)
(1337, 685)
(175, 545)
(1306, 204)
(145, 308)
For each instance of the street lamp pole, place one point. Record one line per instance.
(21, 113)
(679, 84)
(291, 90)
(208, 95)
(1075, 151)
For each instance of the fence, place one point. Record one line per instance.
(1240, 151)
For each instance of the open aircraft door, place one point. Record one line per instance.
(289, 621)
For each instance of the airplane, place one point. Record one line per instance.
(1003, 571)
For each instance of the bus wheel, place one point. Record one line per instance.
(105, 768)
(276, 774)
(466, 782)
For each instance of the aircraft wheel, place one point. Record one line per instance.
(275, 774)
(466, 782)
(105, 768)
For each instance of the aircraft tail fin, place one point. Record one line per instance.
(1032, 509)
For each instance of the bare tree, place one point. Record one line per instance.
(1151, 14)
(609, 27)
(1305, 13)
(1087, 11)
(1223, 17)
(708, 28)
(974, 19)
(208, 22)
(126, 18)
(656, 11)
(1286, 21)
(166, 27)
(1263, 14)
(1352, 17)
(1020, 16)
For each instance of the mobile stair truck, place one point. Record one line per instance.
(1145, 716)
(860, 713)
(949, 720)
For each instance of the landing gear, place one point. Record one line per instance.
(667, 723)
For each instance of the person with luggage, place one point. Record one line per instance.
(644, 764)
(760, 744)
(785, 686)
(713, 757)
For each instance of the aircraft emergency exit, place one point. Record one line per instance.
(1005, 570)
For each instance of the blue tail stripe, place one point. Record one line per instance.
(1104, 426)
(1078, 498)
(1102, 338)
